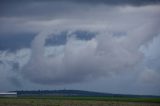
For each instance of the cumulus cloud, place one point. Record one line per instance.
(79, 42)
(83, 60)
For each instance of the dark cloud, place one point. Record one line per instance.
(40, 9)
(33, 9)
(15, 82)
(120, 2)
(15, 66)
(70, 42)
(108, 2)
(1, 62)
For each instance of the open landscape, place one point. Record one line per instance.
(79, 52)
(76, 98)
(79, 101)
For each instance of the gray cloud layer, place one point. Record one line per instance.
(47, 8)
(60, 43)
(108, 2)
(121, 2)
(85, 60)
(20, 14)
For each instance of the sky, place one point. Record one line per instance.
(97, 45)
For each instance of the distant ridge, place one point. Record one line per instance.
(73, 93)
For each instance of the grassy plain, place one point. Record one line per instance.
(79, 101)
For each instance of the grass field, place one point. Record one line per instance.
(79, 101)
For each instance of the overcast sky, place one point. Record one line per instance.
(99, 45)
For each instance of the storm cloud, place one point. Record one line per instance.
(80, 43)
(82, 60)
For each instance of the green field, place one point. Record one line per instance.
(79, 101)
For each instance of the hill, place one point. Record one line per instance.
(73, 93)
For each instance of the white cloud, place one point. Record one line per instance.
(78, 60)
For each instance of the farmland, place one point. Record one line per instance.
(78, 101)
